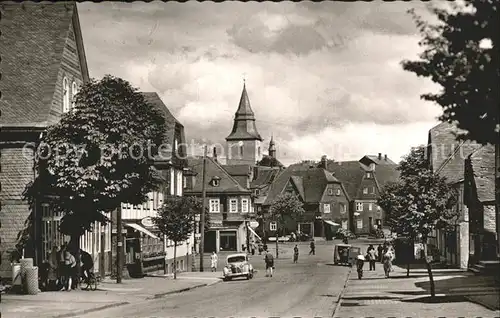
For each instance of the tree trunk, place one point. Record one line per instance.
(175, 259)
(429, 270)
(277, 236)
(75, 250)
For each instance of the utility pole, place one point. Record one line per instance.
(119, 246)
(202, 214)
(248, 236)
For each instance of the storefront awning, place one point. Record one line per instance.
(331, 223)
(141, 229)
(253, 232)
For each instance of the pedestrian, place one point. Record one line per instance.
(372, 257)
(260, 248)
(69, 269)
(213, 261)
(269, 259)
(62, 267)
(53, 268)
(313, 248)
(388, 257)
(380, 254)
(295, 253)
(253, 247)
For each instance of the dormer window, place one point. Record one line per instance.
(369, 175)
(257, 192)
(338, 192)
(215, 182)
(372, 166)
(330, 191)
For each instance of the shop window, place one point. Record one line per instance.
(359, 223)
(273, 226)
(228, 240)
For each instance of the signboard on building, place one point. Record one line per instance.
(216, 223)
(254, 224)
(147, 222)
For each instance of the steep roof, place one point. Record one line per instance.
(299, 185)
(31, 47)
(483, 166)
(244, 121)
(170, 121)
(313, 180)
(213, 169)
(375, 159)
(447, 155)
(350, 173)
(265, 176)
(385, 174)
(238, 170)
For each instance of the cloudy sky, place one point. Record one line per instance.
(323, 78)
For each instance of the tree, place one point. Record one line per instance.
(176, 220)
(461, 54)
(285, 206)
(98, 156)
(418, 203)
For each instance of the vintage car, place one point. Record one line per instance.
(237, 265)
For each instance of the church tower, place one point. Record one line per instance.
(244, 141)
(272, 148)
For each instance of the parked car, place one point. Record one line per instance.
(237, 265)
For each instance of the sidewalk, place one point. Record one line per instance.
(399, 296)
(109, 294)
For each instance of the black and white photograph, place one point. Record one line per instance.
(249, 159)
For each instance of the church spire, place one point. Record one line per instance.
(244, 120)
(272, 147)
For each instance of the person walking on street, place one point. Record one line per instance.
(69, 269)
(295, 253)
(269, 259)
(380, 254)
(313, 248)
(213, 261)
(372, 257)
(388, 257)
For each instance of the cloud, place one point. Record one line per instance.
(317, 73)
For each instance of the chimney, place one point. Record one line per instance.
(379, 156)
(324, 162)
(385, 157)
(215, 154)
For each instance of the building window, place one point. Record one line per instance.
(359, 223)
(372, 190)
(176, 145)
(258, 151)
(370, 206)
(241, 150)
(365, 190)
(343, 208)
(65, 95)
(359, 206)
(74, 91)
(215, 181)
(244, 205)
(184, 182)
(330, 191)
(257, 192)
(233, 205)
(214, 206)
(273, 226)
(338, 192)
(368, 175)
(326, 208)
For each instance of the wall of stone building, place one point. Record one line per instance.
(489, 218)
(16, 171)
(463, 244)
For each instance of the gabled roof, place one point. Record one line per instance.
(31, 47)
(313, 180)
(447, 155)
(299, 185)
(238, 170)
(265, 176)
(375, 159)
(244, 121)
(227, 184)
(483, 168)
(350, 173)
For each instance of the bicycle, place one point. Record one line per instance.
(90, 282)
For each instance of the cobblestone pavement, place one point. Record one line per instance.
(399, 296)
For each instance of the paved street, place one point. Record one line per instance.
(307, 289)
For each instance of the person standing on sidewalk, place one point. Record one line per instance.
(388, 257)
(69, 269)
(380, 253)
(295, 253)
(213, 261)
(372, 257)
(313, 248)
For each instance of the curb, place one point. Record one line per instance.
(342, 292)
(178, 291)
(88, 311)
